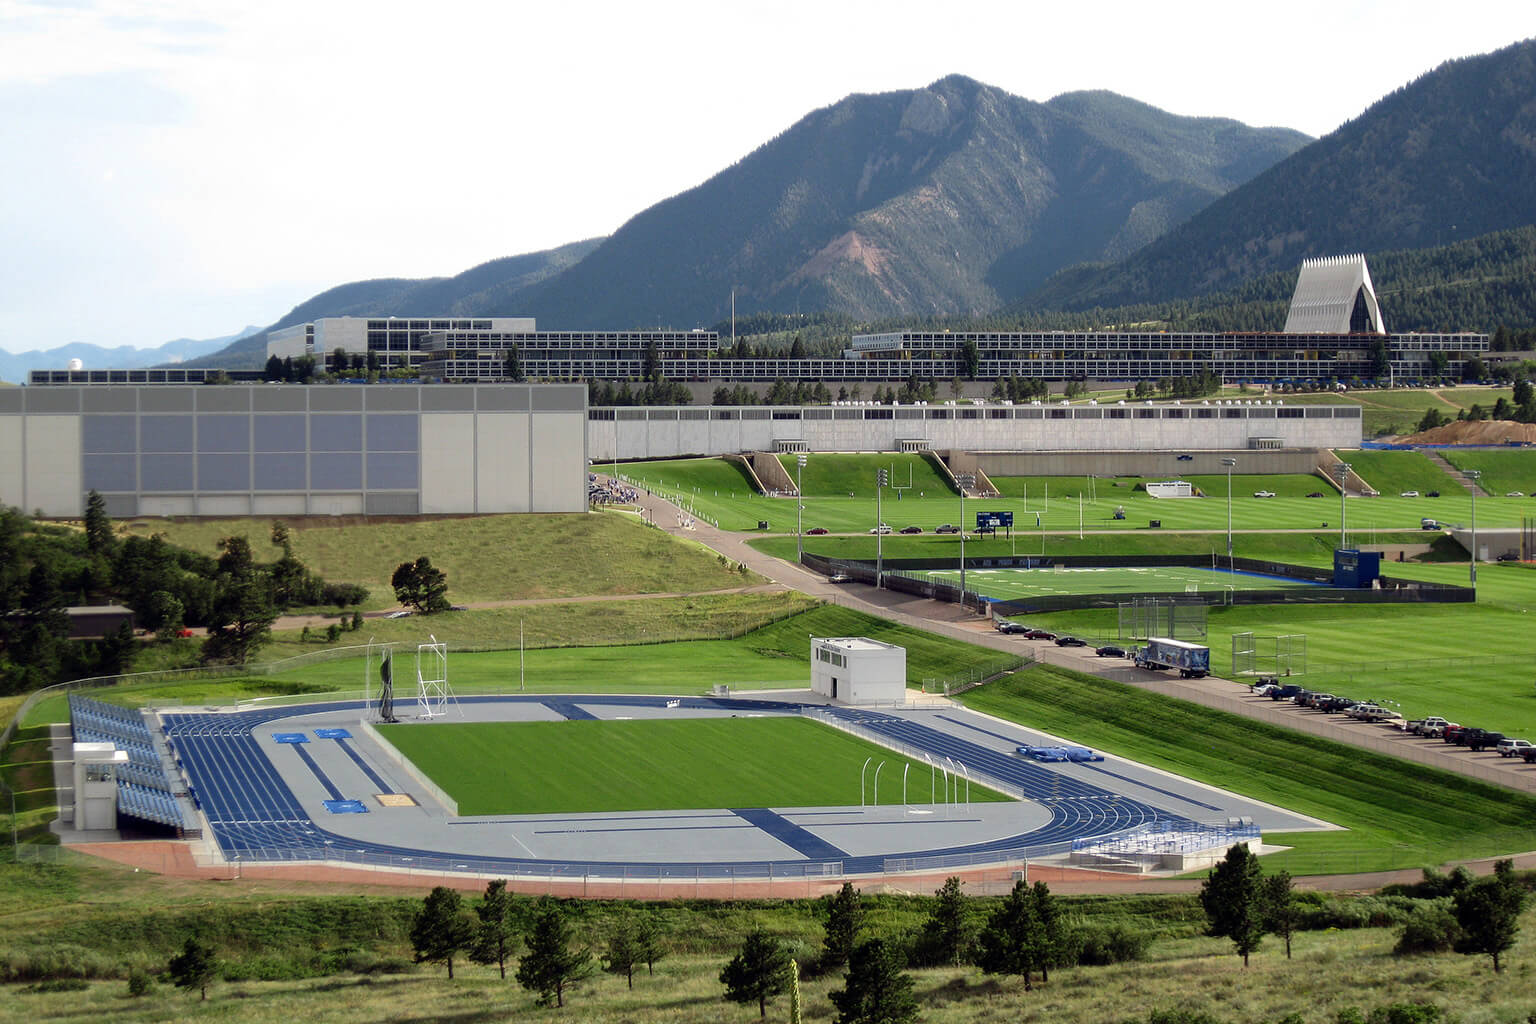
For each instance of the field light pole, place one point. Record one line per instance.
(1473, 475)
(1229, 463)
(881, 479)
(1341, 470)
(965, 480)
(799, 508)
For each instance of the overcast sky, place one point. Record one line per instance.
(181, 169)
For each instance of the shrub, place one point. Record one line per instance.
(1117, 944)
(139, 983)
(1429, 929)
(61, 985)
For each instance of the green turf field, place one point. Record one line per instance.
(654, 765)
(717, 490)
(1009, 584)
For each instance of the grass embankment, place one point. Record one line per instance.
(1392, 473)
(27, 770)
(773, 656)
(486, 558)
(841, 499)
(577, 624)
(343, 957)
(1503, 471)
(648, 765)
(1399, 815)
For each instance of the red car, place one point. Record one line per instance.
(816, 531)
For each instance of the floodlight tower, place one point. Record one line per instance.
(799, 507)
(881, 479)
(1473, 475)
(1341, 470)
(1229, 463)
(965, 480)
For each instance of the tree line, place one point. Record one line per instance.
(47, 567)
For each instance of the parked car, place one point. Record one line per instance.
(1071, 641)
(882, 529)
(1110, 651)
(398, 615)
(947, 528)
(1285, 692)
(1039, 634)
(1513, 494)
(1483, 739)
(817, 531)
(1428, 524)
(1186, 458)
(1315, 494)
(1431, 494)
(839, 577)
(1450, 732)
(1508, 747)
(1263, 494)
(1083, 754)
(1409, 494)
(1005, 626)
(911, 529)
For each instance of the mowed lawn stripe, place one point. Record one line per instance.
(648, 765)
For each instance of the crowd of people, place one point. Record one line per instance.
(610, 492)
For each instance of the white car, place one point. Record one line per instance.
(1263, 494)
(1513, 748)
(1409, 494)
(881, 529)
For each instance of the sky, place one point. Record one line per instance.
(184, 168)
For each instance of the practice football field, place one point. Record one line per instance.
(649, 765)
(1007, 584)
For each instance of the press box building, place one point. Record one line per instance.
(858, 670)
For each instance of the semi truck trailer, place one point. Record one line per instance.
(1192, 660)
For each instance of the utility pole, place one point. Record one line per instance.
(881, 479)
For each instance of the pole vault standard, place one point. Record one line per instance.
(433, 694)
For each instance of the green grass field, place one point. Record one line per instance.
(715, 488)
(1399, 411)
(650, 765)
(1503, 470)
(1398, 814)
(486, 558)
(1008, 584)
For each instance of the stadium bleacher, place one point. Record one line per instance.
(144, 789)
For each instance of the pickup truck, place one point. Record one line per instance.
(1483, 739)
(1286, 692)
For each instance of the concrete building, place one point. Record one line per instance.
(668, 432)
(858, 670)
(295, 450)
(395, 341)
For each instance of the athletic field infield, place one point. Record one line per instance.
(1008, 584)
(649, 765)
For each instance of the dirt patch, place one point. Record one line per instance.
(1476, 432)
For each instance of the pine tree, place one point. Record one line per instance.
(623, 952)
(441, 930)
(757, 973)
(1233, 900)
(1488, 912)
(876, 990)
(1013, 941)
(650, 944)
(99, 538)
(194, 967)
(496, 936)
(845, 917)
(550, 965)
(948, 933)
(1281, 915)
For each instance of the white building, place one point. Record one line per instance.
(395, 341)
(858, 670)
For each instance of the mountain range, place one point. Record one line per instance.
(959, 199)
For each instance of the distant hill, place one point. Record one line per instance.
(1450, 156)
(15, 366)
(954, 198)
(491, 289)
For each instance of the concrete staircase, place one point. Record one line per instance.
(958, 462)
(1454, 473)
(1326, 460)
